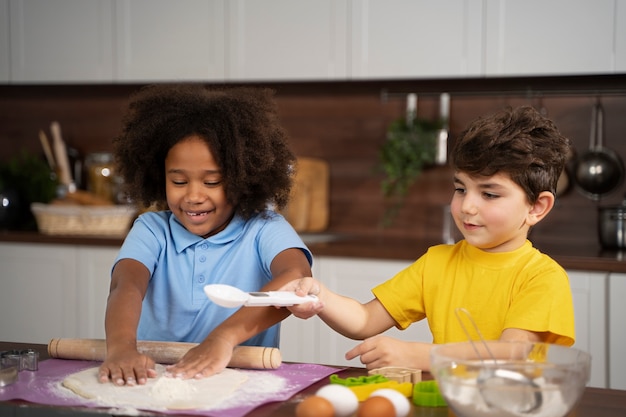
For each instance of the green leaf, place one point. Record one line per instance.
(409, 148)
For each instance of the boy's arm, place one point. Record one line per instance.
(343, 314)
(509, 335)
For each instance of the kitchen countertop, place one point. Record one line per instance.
(572, 257)
(595, 402)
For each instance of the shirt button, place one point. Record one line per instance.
(202, 258)
(200, 279)
(204, 246)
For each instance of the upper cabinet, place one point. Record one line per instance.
(620, 37)
(4, 41)
(287, 40)
(61, 41)
(537, 37)
(83, 41)
(412, 39)
(162, 40)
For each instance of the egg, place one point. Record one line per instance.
(377, 406)
(399, 401)
(343, 399)
(315, 406)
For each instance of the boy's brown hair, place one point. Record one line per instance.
(519, 142)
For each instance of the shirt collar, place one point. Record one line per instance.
(500, 259)
(183, 238)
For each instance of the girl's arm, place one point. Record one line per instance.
(215, 352)
(123, 363)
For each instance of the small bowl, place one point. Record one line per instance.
(510, 378)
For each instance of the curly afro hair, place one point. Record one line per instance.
(240, 126)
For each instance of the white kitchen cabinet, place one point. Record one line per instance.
(620, 37)
(355, 278)
(299, 339)
(159, 40)
(38, 292)
(287, 40)
(103, 41)
(556, 37)
(617, 331)
(61, 41)
(51, 291)
(4, 42)
(413, 39)
(93, 270)
(589, 291)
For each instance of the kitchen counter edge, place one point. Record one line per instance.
(570, 257)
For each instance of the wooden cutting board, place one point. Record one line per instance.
(308, 208)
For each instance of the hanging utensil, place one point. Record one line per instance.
(442, 135)
(600, 170)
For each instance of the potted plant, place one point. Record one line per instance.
(24, 179)
(410, 147)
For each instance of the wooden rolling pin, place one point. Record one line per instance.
(250, 357)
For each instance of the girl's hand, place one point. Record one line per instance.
(302, 287)
(127, 368)
(208, 358)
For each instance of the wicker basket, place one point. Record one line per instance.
(109, 221)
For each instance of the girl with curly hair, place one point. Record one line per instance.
(212, 162)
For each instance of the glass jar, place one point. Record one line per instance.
(100, 168)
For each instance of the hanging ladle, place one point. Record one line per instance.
(523, 394)
(599, 170)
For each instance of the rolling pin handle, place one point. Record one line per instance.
(251, 357)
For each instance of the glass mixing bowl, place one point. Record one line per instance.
(506, 379)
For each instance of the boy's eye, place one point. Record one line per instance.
(179, 182)
(490, 195)
(459, 190)
(212, 183)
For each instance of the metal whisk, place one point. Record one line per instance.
(492, 377)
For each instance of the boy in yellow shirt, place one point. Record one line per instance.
(506, 168)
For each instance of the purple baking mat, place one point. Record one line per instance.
(43, 386)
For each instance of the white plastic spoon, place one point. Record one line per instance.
(229, 296)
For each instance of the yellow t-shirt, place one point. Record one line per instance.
(522, 289)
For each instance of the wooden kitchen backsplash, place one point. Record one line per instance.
(344, 124)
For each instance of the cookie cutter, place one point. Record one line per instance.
(363, 392)
(426, 394)
(23, 360)
(355, 381)
(9, 367)
(29, 360)
(8, 376)
(398, 373)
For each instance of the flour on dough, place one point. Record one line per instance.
(159, 393)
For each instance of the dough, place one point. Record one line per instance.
(161, 392)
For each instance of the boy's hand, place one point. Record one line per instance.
(380, 351)
(302, 287)
(127, 368)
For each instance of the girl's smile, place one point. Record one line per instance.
(195, 188)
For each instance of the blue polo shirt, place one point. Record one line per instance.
(181, 263)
